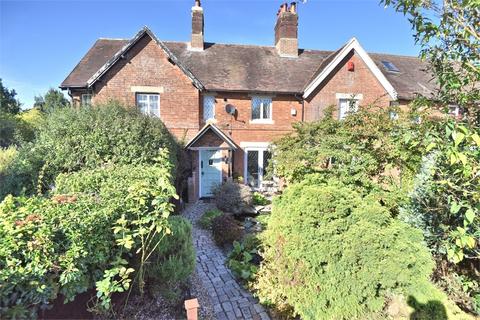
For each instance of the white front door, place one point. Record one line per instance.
(210, 171)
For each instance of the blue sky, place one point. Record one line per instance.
(41, 41)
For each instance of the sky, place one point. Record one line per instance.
(42, 41)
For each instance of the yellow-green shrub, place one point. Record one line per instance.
(331, 254)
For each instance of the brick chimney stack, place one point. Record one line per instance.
(286, 31)
(197, 27)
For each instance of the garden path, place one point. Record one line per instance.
(229, 299)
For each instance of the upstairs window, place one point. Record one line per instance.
(208, 108)
(86, 100)
(261, 109)
(149, 104)
(347, 106)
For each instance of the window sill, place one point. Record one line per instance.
(261, 121)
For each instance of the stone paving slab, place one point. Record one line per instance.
(230, 300)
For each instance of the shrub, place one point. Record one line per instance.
(364, 149)
(329, 253)
(225, 229)
(259, 199)
(71, 242)
(7, 155)
(206, 219)
(174, 258)
(233, 197)
(74, 139)
(240, 261)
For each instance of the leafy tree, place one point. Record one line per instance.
(449, 34)
(367, 149)
(52, 100)
(8, 103)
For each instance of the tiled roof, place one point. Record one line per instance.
(229, 67)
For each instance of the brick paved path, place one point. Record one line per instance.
(229, 299)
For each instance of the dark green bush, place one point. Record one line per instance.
(233, 197)
(206, 219)
(174, 258)
(332, 254)
(225, 229)
(74, 139)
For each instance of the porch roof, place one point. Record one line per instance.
(210, 127)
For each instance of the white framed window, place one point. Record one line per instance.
(261, 109)
(149, 103)
(347, 106)
(86, 100)
(256, 164)
(208, 107)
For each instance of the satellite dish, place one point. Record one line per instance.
(230, 109)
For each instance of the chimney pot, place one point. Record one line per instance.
(293, 7)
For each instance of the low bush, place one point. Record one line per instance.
(240, 261)
(206, 219)
(233, 197)
(173, 260)
(81, 236)
(225, 229)
(331, 253)
(259, 199)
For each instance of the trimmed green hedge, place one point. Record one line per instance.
(331, 254)
(74, 139)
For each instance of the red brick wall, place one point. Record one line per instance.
(147, 65)
(360, 81)
(240, 129)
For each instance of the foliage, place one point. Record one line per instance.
(449, 36)
(331, 253)
(366, 149)
(71, 242)
(225, 229)
(173, 260)
(445, 203)
(259, 199)
(86, 138)
(240, 261)
(232, 197)
(51, 101)
(18, 129)
(8, 103)
(206, 219)
(6, 158)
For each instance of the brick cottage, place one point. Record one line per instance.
(231, 101)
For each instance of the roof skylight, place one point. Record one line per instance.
(390, 66)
